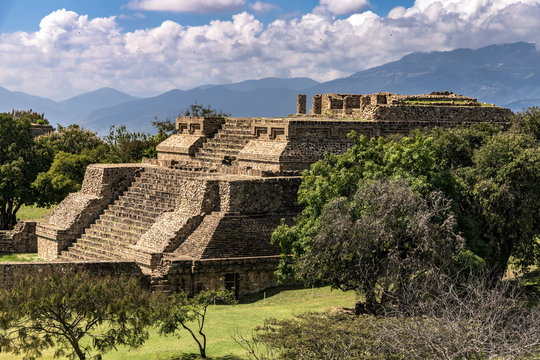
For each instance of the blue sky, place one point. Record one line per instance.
(61, 48)
(25, 15)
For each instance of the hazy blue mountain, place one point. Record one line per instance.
(497, 74)
(94, 100)
(273, 83)
(139, 114)
(522, 104)
(69, 111)
(10, 100)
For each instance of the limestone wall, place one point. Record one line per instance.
(102, 184)
(38, 130)
(13, 272)
(22, 239)
(259, 195)
(250, 275)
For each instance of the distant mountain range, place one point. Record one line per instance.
(506, 74)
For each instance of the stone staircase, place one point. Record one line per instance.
(124, 221)
(222, 149)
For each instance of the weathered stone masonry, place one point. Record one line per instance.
(201, 215)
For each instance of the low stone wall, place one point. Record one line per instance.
(248, 275)
(38, 130)
(22, 239)
(13, 272)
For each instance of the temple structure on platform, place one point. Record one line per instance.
(202, 213)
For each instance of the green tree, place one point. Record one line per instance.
(380, 239)
(65, 176)
(64, 156)
(197, 110)
(71, 139)
(501, 198)
(77, 314)
(126, 146)
(34, 117)
(18, 167)
(178, 311)
(528, 122)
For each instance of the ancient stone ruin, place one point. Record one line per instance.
(202, 213)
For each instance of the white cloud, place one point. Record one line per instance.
(71, 53)
(260, 7)
(341, 7)
(197, 6)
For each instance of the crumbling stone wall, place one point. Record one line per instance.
(22, 239)
(102, 184)
(38, 129)
(250, 275)
(13, 272)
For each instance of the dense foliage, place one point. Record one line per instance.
(76, 314)
(19, 166)
(490, 175)
(380, 239)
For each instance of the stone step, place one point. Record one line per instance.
(95, 248)
(222, 145)
(122, 214)
(159, 186)
(104, 223)
(74, 256)
(209, 159)
(142, 198)
(139, 210)
(217, 152)
(127, 221)
(113, 236)
(224, 136)
(83, 254)
(174, 175)
(194, 167)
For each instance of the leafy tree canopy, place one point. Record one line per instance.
(18, 166)
(34, 117)
(76, 314)
(65, 176)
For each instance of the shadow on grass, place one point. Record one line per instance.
(194, 356)
(531, 282)
(269, 293)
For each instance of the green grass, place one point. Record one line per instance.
(32, 212)
(18, 257)
(223, 321)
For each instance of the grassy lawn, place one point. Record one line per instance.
(223, 321)
(18, 257)
(32, 212)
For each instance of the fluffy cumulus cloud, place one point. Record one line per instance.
(260, 7)
(198, 6)
(340, 7)
(71, 53)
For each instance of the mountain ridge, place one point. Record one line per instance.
(504, 74)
